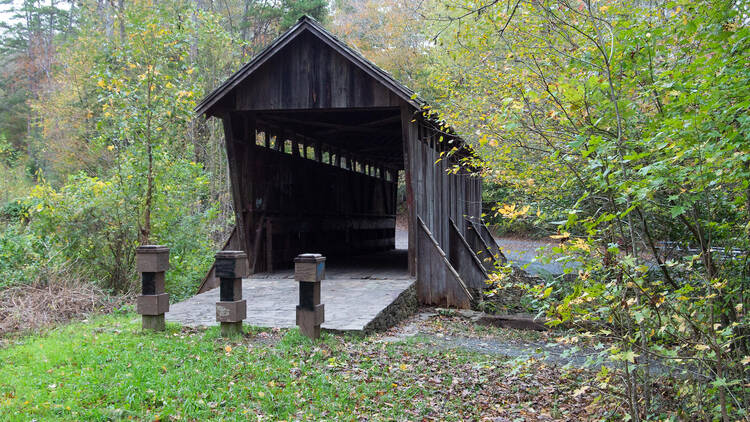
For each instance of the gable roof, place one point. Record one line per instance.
(306, 23)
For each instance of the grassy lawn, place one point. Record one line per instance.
(106, 369)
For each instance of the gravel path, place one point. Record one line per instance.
(514, 344)
(518, 347)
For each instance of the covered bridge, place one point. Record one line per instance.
(316, 136)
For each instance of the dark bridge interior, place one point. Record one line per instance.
(317, 180)
(374, 134)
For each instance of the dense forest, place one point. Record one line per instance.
(619, 129)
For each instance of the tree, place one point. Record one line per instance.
(627, 125)
(27, 58)
(390, 33)
(120, 109)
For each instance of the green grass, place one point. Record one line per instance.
(107, 369)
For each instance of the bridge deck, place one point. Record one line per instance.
(360, 294)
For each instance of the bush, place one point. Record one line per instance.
(14, 211)
(93, 224)
(24, 257)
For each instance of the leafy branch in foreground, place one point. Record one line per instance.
(625, 125)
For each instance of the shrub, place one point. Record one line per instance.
(93, 223)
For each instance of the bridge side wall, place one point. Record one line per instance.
(436, 196)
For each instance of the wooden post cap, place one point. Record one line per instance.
(309, 267)
(231, 264)
(151, 258)
(152, 249)
(309, 258)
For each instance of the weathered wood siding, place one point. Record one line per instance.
(465, 261)
(436, 196)
(438, 283)
(308, 74)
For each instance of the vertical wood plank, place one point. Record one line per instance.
(233, 160)
(424, 275)
(465, 260)
(408, 151)
(444, 283)
(269, 245)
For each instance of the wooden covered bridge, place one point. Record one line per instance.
(316, 138)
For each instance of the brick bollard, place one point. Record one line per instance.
(152, 261)
(309, 269)
(231, 309)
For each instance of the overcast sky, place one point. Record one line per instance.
(6, 14)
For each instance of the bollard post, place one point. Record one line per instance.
(309, 269)
(152, 261)
(231, 309)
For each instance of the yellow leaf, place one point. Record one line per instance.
(261, 394)
(228, 348)
(563, 235)
(745, 360)
(580, 391)
(701, 347)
